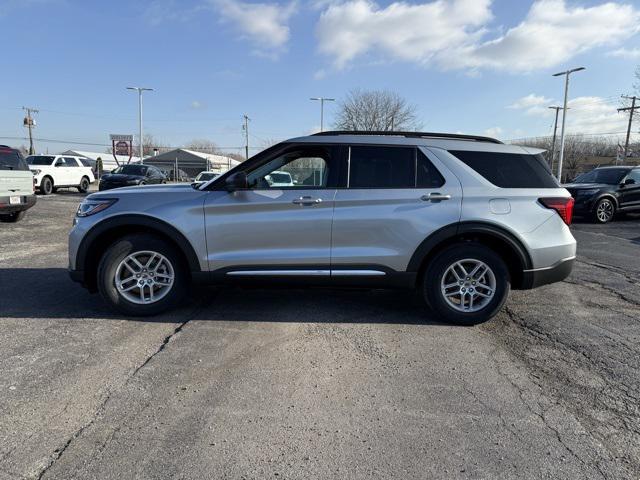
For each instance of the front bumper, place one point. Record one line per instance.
(537, 277)
(26, 202)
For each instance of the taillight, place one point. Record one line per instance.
(564, 207)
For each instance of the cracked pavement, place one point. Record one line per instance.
(317, 383)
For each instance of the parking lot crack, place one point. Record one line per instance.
(60, 451)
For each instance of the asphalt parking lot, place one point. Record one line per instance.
(317, 383)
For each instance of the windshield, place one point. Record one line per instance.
(131, 170)
(40, 160)
(205, 177)
(609, 176)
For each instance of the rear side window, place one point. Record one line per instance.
(70, 162)
(509, 170)
(382, 167)
(11, 160)
(427, 176)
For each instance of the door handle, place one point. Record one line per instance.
(307, 200)
(435, 197)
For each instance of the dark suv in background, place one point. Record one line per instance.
(132, 175)
(605, 191)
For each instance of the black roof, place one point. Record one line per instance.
(453, 136)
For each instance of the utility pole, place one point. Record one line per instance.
(30, 123)
(564, 115)
(245, 127)
(630, 109)
(140, 90)
(555, 131)
(322, 100)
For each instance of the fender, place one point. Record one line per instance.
(137, 221)
(457, 229)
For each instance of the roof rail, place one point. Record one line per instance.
(453, 136)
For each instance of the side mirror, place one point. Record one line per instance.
(237, 181)
(629, 181)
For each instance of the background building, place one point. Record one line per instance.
(190, 162)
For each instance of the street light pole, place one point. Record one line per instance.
(564, 115)
(322, 100)
(140, 90)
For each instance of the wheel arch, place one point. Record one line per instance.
(103, 234)
(503, 242)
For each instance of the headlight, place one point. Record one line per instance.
(36, 172)
(588, 192)
(91, 207)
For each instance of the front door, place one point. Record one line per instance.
(281, 224)
(630, 192)
(396, 197)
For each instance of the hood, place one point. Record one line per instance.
(585, 186)
(145, 189)
(121, 177)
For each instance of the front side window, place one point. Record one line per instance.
(304, 167)
(635, 175)
(382, 167)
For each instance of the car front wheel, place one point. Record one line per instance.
(466, 284)
(604, 211)
(142, 275)
(46, 186)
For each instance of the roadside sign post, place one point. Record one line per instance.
(122, 145)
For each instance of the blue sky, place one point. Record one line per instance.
(473, 66)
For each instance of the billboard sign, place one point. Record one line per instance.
(122, 145)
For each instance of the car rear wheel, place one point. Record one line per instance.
(12, 217)
(604, 211)
(46, 186)
(466, 284)
(84, 185)
(142, 275)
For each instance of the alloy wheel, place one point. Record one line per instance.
(468, 285)
(604, 212)
(144, 277)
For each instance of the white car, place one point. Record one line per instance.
(204, 177)
(56, 171)
(279, 178)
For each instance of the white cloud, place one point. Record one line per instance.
(495, 132)
(453, 34)
(266, 25)
(408, 32)
(533, 104)
(626, 53)
(196, 105)
(586, 115)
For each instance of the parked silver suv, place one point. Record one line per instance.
(462, 219)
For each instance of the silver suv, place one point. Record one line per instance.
(462, 219)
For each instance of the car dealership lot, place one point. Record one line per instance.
(317, 383)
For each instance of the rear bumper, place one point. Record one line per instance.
(26, 202)
(543, 276)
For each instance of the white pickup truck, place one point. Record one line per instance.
(56, 171)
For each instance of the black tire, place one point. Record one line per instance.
(437, 268)
(604, 210)
(12, 217)
(124, 247)
(84, 185)
(46, 186)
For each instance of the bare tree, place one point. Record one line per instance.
(150, 144)
(379, 110)
(202, 145)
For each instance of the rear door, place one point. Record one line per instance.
(16, 180)
(270, 230)
(73, 172)
(396, 196)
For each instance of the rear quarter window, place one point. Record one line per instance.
(509, 170)
(12, 160)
